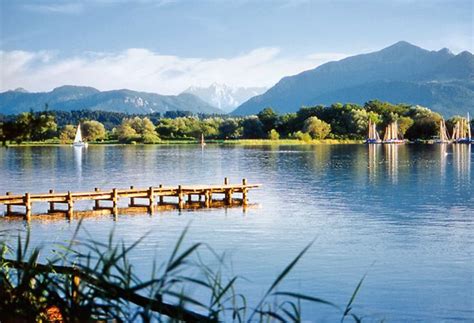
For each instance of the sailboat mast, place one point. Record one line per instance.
(468, 127)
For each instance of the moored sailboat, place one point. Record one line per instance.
(391, 135)
(443, 133)
(203, 143)
(78, 142)
(462, 131)
(373, 136)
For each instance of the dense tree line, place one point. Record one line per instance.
(338, 121)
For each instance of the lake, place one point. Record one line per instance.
(403, 214)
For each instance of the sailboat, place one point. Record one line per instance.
(203, 143)
(373, 136)
(443, 133)
(462, 131)
(391, 134)
(78, 142)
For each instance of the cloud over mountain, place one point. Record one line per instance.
(149, 71)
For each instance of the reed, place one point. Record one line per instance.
(91, 280)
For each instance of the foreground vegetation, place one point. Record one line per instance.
(335, 122)
(91, 280)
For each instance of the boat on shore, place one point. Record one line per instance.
(78, 142)
(373, 136)
(391, 135)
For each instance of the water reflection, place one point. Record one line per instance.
(373, 161)
(462, 161)
(391, 160)
(407, 207)
(443, 158)
(78, 151)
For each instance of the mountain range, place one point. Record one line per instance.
(225, 97)
(68, 98)
(401, 73)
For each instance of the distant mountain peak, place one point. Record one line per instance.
(401, 72)
(223, 96)
(445, 51)
(70, 97)
(20, 90)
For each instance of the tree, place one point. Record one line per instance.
(137, 129)
(93, 130)
(67, 134)
(358, 122)
(252, 128)
(273, 135)
(404, 123)
(43, 126)
(425, 123)
(230, 129)
(268, 118)
(316, 128)
(125, 133)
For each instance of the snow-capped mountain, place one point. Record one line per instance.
(225, 97)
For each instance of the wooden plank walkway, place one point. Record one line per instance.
(183, 193)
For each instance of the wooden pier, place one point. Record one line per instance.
(183, 195)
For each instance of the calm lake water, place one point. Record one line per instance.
(402, 214)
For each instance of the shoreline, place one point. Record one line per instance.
(243, 142)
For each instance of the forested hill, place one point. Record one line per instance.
(69, 98)
(401, 73)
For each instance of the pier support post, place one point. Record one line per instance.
(151, 197)
(207, 197)
(180, 194)
(132, 199)
(70, 202)
(51, 204)
(228, 196)
(114, 197)
(27, 201)
(161, 196)
(244, 191)
(9, 206)
(190, 198)
(96, 203)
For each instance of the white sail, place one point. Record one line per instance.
(468, 127)
(443, 131)
(78, 137)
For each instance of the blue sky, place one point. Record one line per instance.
(165, 46)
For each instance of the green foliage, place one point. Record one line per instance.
(89, 280)
(230, 129)
(303, 136)
(268, 118)
(404, 123)
(252, 128)
(67, 134)
(93, 131)
(137, 129)
(316, 128)
(337, 121)
(425, 123)
(273, 135)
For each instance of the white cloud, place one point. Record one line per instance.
(66, 8)
(144, 70)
